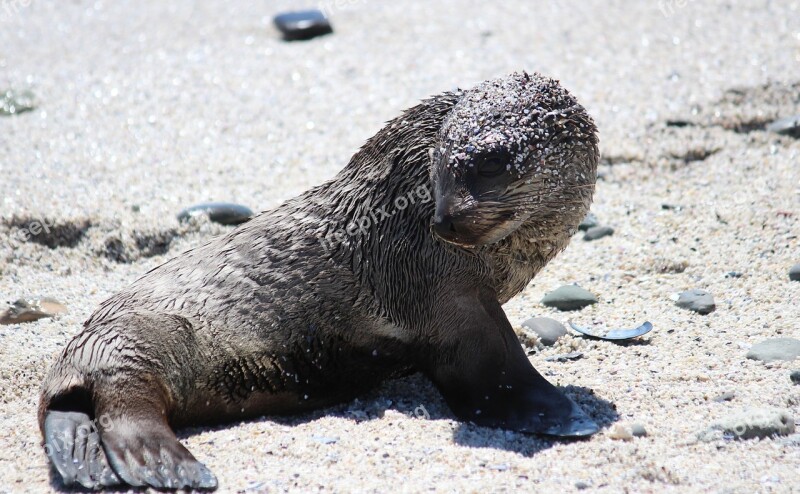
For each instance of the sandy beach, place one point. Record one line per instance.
(145, 108)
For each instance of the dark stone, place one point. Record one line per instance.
(671, 207)
(733, 274)
(548, 330)
(588, 222)
(795, 376)
(679, 123)
(224, 213)
(775, 349)
(794, 272)
(596, 232)
(302, 25)
(569, 297)
(789, 126)
(697, 300)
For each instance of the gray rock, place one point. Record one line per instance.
(795, 376)
(31, 310)
(548, 330)
(588, 222)
(726, 396)
(697, 300)
(569, 297)
(793, 440)
(794, 272)
(638, 430)
(750, 424)
(789, 126)
(564, 357)
(775, 349)
(224, 213)
(302, 25)
(14, 102)
(325, 439)
(596, 232)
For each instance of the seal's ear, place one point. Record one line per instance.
(486, 378)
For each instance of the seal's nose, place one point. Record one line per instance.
(443, 225)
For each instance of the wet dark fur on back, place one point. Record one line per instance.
(346, 285)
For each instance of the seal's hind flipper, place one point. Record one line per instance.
(73, 444)
(486, 378)
(145, 452)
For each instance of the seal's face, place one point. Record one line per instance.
(513, 152)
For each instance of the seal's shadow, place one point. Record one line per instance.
(416, 397)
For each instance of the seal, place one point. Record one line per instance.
(398, 264)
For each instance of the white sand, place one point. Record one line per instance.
(165, 104)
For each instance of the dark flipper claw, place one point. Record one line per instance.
(73, 445)
(576, 424)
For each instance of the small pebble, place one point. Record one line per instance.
(14, 103)
(789, 126)
(548, 330)
(324, 439)
(589, 221)
(569, 297)
(565, 357)
(620, 432)
(774, 349)
(733, 274)
(31, 310)
(638, 430)
(792, 441)
(749, 424)
(794, 272)
(224, 213)
(795, 376)
(581, 485)
(671, 207)
(597, 232)
(697, 300)
(302, 25)
(726, 396)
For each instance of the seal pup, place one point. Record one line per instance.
(398, 264)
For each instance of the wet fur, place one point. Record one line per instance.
(281, 315)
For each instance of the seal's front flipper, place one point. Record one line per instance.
(486, 377)
(73, 445)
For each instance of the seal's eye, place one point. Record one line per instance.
(492, 165)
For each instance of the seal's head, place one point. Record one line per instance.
(513, 152)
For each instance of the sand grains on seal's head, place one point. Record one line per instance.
(510, 149)
(523, 113)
